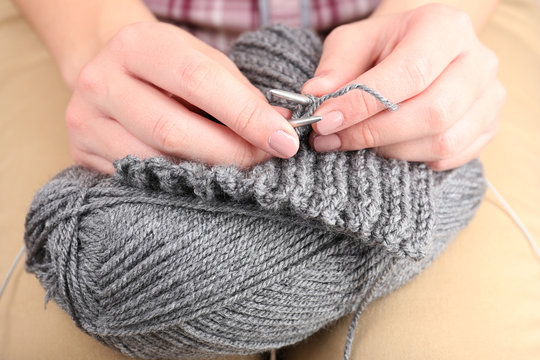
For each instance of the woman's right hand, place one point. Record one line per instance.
(142, 95)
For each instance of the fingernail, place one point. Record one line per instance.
(283, 143)
(330, 122)
(324, 143)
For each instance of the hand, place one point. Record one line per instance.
(430, 61)
(142, 95)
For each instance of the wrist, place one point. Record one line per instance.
(75, 50)
(71, 59)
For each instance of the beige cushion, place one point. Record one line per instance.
(480, 300)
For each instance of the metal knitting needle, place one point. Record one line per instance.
(299, 99)
(294, 97)
(305, 121)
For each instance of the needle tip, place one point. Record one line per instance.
(305, 121)
(290, 96)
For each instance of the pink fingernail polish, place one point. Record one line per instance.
(283, 143)
(324, 143)
(330, 122)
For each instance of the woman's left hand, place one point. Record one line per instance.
(428, 60)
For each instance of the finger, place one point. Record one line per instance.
(111, 141)
(286, 113)
(93, 131)
(432, 112)
(481, 117)
(108, 139)
(200, 80)
(223, 59)
(472, 152)
(92, 161)
(347, 52)
(480, 120)
(169, 127)
(415, 62)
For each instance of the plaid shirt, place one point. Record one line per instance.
(219, 22)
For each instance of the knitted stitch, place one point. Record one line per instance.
(185, 260)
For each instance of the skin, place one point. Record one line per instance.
(140, 86)
(126, 102)
(428, 60)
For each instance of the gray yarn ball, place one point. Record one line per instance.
(184, 260)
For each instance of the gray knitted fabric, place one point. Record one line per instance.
(185, 260)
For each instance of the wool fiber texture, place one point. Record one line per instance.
(184, 260)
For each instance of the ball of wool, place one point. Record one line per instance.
(186, 260)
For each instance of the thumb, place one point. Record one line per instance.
(348, 51)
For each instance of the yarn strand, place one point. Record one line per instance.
(11, 269)
(516, 219)
(316, 102)
(387, 103)
(349, 339)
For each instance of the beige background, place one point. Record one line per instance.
(479, 300)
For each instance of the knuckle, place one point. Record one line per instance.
(438, 166)
(492, 61)
(416, 70)
(245, 157)
(362, 104)
(421, 11)
(439, 116)
(247, 115)
(74, 119)
(77, 155)
(366, 136)
(125, 39)
(91, 79)
(444, 146)
(339, 32)
(461, 20)
(167, 134)
(195, 70)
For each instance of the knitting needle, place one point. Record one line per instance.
(294, 97)
(299, 99)
(305, 121)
